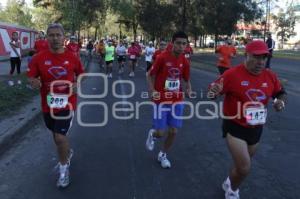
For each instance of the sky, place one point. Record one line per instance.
(3, 2)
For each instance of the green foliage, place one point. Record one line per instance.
(285, 23)
(16, 12)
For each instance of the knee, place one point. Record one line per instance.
(159, 134)
(172, 131)
(243, 169)
(59, 139)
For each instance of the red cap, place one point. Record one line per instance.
(257, 47)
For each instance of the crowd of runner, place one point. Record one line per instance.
(249, 86)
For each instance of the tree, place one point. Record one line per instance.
(156, 18)
(74, 14)
(221, 16)
(285, 24)
(127, 11)
(17, 12)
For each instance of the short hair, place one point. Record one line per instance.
(179, 34)
(56, 25)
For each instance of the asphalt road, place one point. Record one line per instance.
(111, 161)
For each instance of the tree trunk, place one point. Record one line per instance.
(96, 32)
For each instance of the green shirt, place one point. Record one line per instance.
(109, 53)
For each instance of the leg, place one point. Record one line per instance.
(148, 66)
(63, 147)
(18, 62)
(12, 65)
(268, 61)
(241, 158)
(107, 68)
(170, 139)
(111, 67)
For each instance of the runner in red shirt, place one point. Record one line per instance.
(226, 53)
(41, 43)
(73, 46)
(166, 75)
(188, 52)
(247, 89)
(54, 72)
(133, 54)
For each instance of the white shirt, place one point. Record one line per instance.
(121, 50)
(149, 51)
(12, 52)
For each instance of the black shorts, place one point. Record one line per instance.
(121, 58)
(109, 62)
(250, 135)
(57, 125)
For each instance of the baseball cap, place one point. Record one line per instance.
(72, 37)
(257, 47)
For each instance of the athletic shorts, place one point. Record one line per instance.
(250, 135)
(164, 117)
(109, 62)
(121, 58)
(57, 125)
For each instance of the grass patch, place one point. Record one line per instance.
(12, 98)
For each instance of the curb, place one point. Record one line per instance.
(16, 126)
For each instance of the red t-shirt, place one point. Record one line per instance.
(133, 52)
(240, 86)
(156, 53)
(169, 47)
(226, 52)
(169, 72)
(188, 51)
(41, 45)
(74, 48)
(51, 67)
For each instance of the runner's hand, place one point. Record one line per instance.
(154, 94)
(35, 83)
(215, 89)
(189, 93)
(278, 104)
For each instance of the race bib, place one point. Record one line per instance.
(132, 56)
(187, 55)
(172, 85)
(256, 116)
(57, 101)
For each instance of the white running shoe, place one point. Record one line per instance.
(229, 194)
(10, 83)
(164, 162)
(232, 194)
(150, 140)
(226, 184)
(131, 74)
(64, 178)
(19, 82)
(110, 75)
